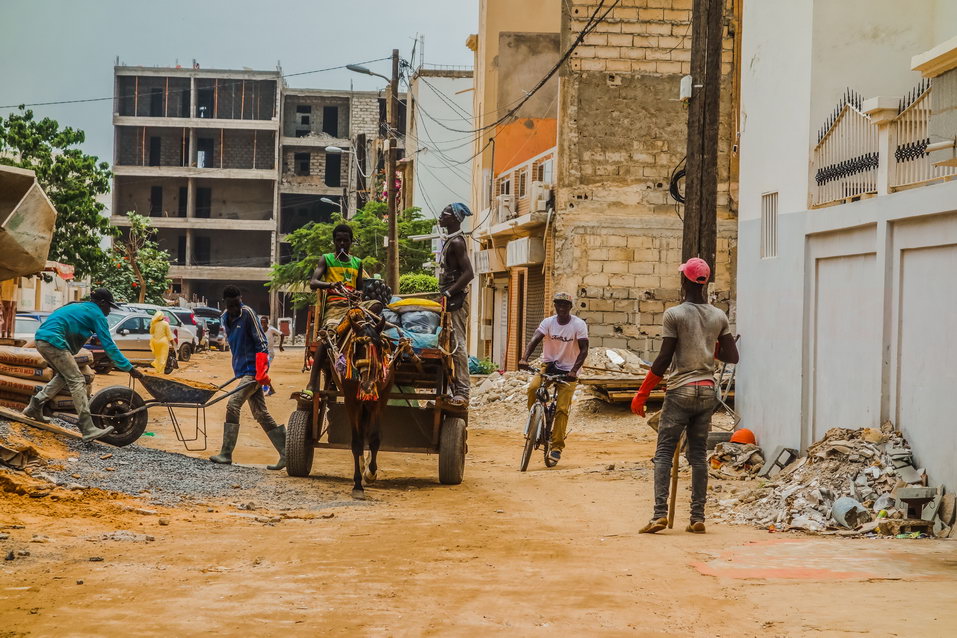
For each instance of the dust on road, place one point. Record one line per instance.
(503, 553)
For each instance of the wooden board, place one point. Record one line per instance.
(13, 415)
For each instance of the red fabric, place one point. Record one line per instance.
(262, 368)
(702, 382)
(638, 403)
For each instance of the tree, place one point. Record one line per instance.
(414, 282)
(369, 226)
(72, 180)
(136, 268)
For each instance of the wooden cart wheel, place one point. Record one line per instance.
(299, 449)
(452, 451)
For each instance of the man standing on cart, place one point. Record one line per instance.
(456, 276)
(250, 352)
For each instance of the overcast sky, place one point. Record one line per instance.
(55, 50)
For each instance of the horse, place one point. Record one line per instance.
(366, 371)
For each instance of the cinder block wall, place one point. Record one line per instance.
(617, 234)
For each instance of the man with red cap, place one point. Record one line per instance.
(690, 331)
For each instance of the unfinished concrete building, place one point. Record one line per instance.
(228, 163)
(197, 151)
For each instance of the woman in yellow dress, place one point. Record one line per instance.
(161, 337)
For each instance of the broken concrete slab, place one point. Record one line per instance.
(779, 459)
(893, 527)
(947, 509)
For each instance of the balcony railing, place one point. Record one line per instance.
(866, 148)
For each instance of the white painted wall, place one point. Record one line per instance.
(848, 324)
(443, 166)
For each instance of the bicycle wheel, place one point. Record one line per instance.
(536, 418)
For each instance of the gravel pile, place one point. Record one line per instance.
(168, 478)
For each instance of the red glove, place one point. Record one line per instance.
(638, 403)
(262, 368)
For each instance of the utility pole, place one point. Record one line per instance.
(392, 115)
(701, 183)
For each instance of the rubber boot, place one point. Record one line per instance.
(89, 430)
(230, 436)
(278, 437)
(35, 410)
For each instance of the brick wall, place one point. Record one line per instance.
(364, 116)
(291, 117)
(239, 148)
(317, 167)
(617, 234)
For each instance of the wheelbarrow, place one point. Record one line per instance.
(124, 408)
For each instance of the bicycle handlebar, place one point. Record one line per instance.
(557, 378)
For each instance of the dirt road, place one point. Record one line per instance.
(504, 553)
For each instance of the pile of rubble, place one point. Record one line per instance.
(614, 360)
(857, 480)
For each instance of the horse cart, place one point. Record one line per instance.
(414, 414)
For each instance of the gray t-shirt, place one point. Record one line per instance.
(697, 327)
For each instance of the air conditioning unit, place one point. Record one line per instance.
(489, 261)
(506, 207)
(541, 193)
(526, 251)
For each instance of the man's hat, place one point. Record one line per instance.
(562, 296)
(696, 270)
(103, 295)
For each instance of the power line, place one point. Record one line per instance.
(175, 91)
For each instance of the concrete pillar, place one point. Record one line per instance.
(190, 197)
(192, 96)
(189, 247)
(883, 111)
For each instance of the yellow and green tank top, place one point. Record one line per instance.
(345, 271)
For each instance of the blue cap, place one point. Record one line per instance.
(460, 210)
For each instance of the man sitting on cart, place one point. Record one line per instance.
(338, 274)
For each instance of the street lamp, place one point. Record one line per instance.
(335, 150)
(326, 200)
(392, 259)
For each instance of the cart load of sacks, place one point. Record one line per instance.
(417, 319)
(23, 372)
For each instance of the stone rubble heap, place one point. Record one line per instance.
(614, 360)
(866, 465)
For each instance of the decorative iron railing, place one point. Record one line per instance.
(911, 140)
(846, 156)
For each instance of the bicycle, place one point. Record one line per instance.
(538, 428)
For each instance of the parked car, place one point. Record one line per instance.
(130, 331)
(214, 333)
(186, 335)
(25, 326)
(189, 319)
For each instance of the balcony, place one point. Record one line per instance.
(523, 196)
(219, 273)
(878, 146)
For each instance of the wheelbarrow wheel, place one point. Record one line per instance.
(299, 449)
(452, 451)
(112, 406)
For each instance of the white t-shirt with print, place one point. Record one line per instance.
(560, 345)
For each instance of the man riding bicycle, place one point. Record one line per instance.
(564, 351)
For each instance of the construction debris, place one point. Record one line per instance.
(735, 459)
(847, 480)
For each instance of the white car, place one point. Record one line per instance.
(187, 335)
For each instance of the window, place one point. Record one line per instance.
(333, 170)
(181, 250)
(156, 145)
(183, 202)
(769, 225)
(301, 163)
(201, 251)
(156, 201)
(204, 202)
(156, 102)
(204, 152)
(522, 183)
(330, 120)
(184, 103)
(543, 172)
(505, 186)
(204, 103)
(303, 115)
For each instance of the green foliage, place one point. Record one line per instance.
(135, 268)
(414, 282)
(71, 179)
(369, 226)
(486, 366)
